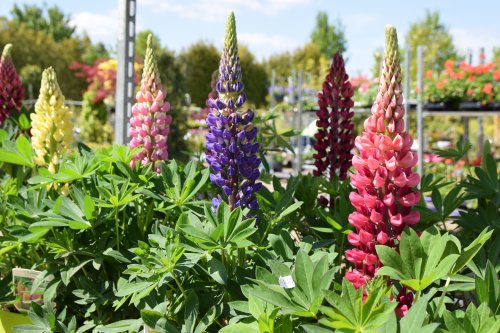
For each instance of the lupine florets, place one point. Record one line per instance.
(384, 180)
(11, 87)
(231, 147)
(150, 122)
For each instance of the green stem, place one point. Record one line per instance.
(179, 285)
(441, 299)
(117, 229)
(417, 296)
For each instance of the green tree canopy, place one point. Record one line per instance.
(329, 38)
(308, 58)
(37, 48)
(198, 62)
(434, 35)
(50, 20)
(141, 41)
(254, 77)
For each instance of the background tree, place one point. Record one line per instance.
(31, 47)
(141, 41)
(254, 77)
(329, 38)
(50, 20)
(436, 38)
(377, 65)
(197, 65)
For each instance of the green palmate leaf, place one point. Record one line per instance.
(351, 314)
(121, 326)
(190, 312)
(411, 252)
(229, 225)
(282, 244)
(414, 321)
(217, 270)
(471, 250)
(151, 317)
(302, 274)
(309, 328)
(207, 320)
(19, 153)
(240, 328)
(488, 288)
(389, 257)
(290, 209)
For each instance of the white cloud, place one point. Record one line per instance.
(277, 42)
(98, 26)
(215, 10)
(474, 39)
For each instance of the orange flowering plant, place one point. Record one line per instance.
(447, 86)
(462, 82)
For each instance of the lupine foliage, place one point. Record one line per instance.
(132, 247)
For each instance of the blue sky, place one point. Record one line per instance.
(271, 26)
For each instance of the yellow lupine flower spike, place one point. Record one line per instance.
(51, 123)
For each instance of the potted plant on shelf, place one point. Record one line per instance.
(445, 90)
(483, 88)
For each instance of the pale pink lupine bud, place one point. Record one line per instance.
(150, 123)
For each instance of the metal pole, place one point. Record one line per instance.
(480, 127)
(466, 119)
(407, 87)
(420, 117)
(299, 103)
(273, 83)
(125, 70)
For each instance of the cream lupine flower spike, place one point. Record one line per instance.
(52, 126)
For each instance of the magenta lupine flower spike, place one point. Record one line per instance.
(384, 180)
(231, 147)
(335, 137)
(149, 125)
(11, 87)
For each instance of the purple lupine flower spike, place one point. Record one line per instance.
(231, 147)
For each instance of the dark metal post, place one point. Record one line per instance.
(299, 111)
(420, 116)
(466, 119)
(273, 83)
(480, 127)
(125, 71)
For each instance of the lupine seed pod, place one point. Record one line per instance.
(231, 147)
(335, 137)
(150, 122)
(11, 87)
(384, 180)
(51, 123)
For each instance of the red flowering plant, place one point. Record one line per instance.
(447, 87)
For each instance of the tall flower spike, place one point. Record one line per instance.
(384, 180)
(231, 147)
(51, 123)
(150, 122)
(11, 87)
(335, 138)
